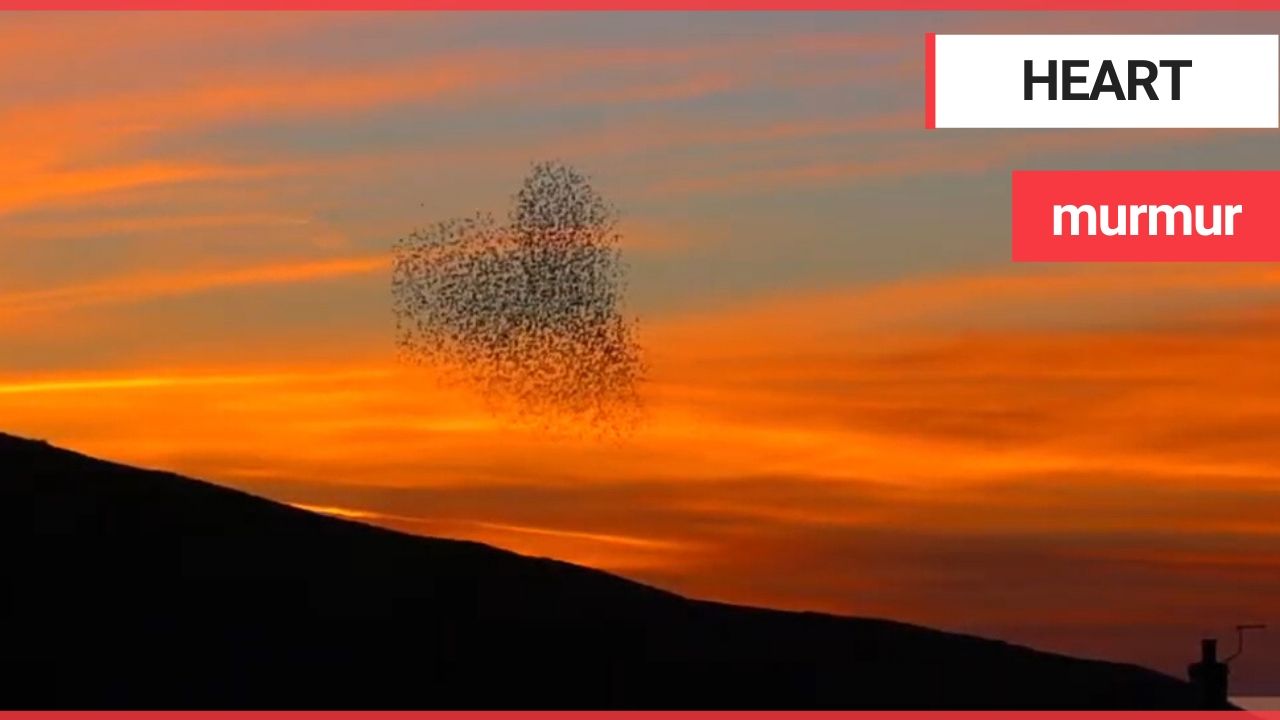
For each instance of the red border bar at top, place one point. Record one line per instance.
(936, 5)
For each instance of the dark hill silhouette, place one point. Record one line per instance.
(130, 588)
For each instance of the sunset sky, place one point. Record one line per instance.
(855, 402)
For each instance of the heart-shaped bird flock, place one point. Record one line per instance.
(530, 312)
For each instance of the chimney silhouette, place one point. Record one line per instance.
(1209, 677)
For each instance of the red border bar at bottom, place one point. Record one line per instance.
(643, 715)
(651, 5)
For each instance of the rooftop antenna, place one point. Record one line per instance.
(1240, 632)
(1210, 675)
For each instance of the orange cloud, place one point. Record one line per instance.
(31, 187)
(70, 146)
(917, 158)
(48, 145)
(38, 46)
(619, 552)
(160, 381)
(958, 302)
(150, 286)
(65, 228)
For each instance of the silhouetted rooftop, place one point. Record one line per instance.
(133, 588)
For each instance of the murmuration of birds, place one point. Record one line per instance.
(529, 313)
